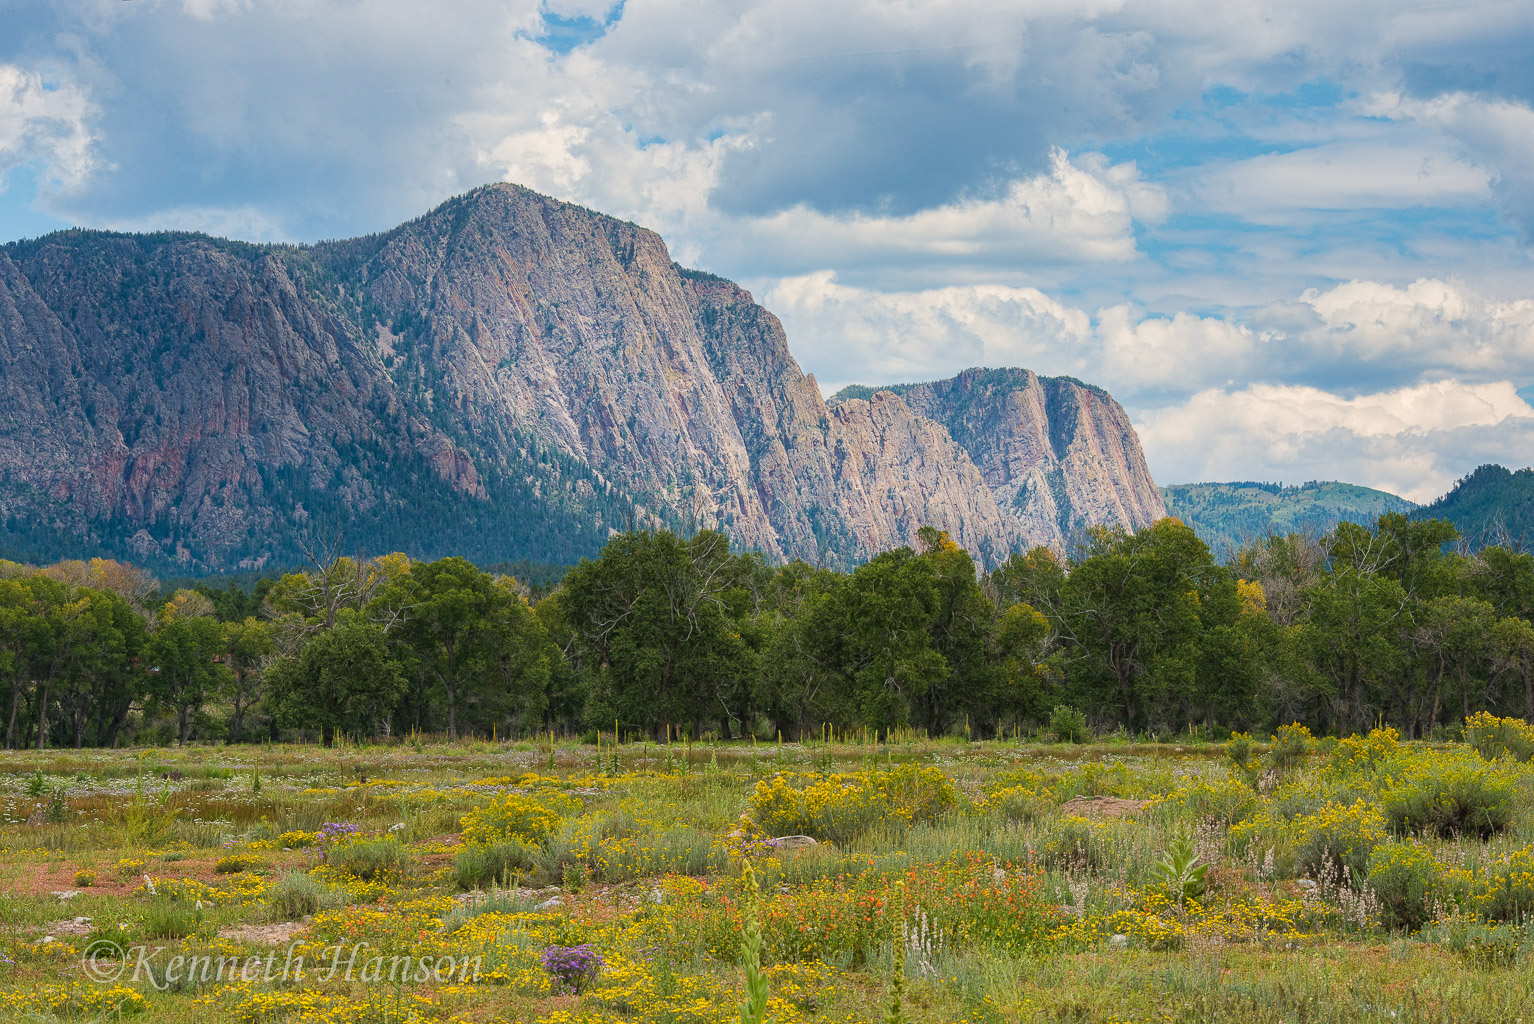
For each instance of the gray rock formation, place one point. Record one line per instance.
(506, 377)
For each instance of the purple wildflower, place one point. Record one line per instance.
(573, 967)
(333, 830)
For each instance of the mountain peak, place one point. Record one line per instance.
(508, 376)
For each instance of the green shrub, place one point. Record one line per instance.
(1018, 805)
(297, 894)
(675, 850)
(170, 919)
(1486, 946)
(1337, 836)
(1229, 801)
(1494, 737)
(833, 808)
(57, 811)
(1505, 889)
(1240, 751)
(1404, 879)
(1241, 756)
(1363, 753)
(1069, 725)
(914, 793)
(231, 864)
(475, 867)
(837, 808)
(368, 859)
(509, 817)
(496, 901)
(1076, 843)
(1291, 745)
(1450, 799)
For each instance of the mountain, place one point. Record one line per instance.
(506, 377)
(1493, 505)
(1228, 515)
(1059, 455)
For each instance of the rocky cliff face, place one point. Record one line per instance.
(506, 377)
(1060, 455)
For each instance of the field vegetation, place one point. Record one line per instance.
(1274, 878)
(1132, 784)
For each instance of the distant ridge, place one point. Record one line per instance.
(1227, 515)
(1493, 505)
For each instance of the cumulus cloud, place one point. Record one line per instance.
(1157, 353)
(850, 335)
(1081, 211)
(1497, 133)
(1410, 441)
(1356, 331)
(45, 123)
(1427, 324)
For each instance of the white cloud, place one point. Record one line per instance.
(1410, 441)
(1082, 210)
(247, 223)
(1429, 323)
(1497, 133)
(45, 122)
(851, 335)
(1360, 331)
(1345, 175)
(1170, 352)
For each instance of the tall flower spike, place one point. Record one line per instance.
(754, 1009)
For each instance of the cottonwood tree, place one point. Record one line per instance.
(183, 654)
(248, 645)
(346, 679)
(659, 620)
(475, 638)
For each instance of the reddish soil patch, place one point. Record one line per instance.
(47, 878)
(436, 860)
(1102, 806)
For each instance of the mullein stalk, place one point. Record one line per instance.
(754, 1009)
(896, 1012)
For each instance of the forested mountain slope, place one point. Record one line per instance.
(1228, 515)
(1493, 505)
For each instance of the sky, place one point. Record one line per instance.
(1295, 240)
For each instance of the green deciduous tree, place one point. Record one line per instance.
(248, 645)
(659, 620)
(346, 679)
(184, 670)
(475, 638)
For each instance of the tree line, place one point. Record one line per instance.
(665, 635)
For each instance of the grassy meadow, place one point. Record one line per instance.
(1289, 879)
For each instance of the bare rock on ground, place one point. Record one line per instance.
(266, 934)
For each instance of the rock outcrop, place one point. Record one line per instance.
(1058, 454)
(506, 377)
